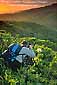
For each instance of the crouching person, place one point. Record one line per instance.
(26, 51)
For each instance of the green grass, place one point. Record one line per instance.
(30, 29)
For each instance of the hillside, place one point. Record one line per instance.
(39, 22)
(38, 27)
(45, 16)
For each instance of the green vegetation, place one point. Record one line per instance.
(38, 26)
(44, 70)
(31, 29)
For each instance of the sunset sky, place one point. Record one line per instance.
(11, 6)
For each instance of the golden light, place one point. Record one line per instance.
(10, 8)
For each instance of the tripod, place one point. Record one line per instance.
(26, 65)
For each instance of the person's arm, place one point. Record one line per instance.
(31, 53)
(28, 51)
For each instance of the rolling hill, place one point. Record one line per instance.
(38, 22)
(45, 16)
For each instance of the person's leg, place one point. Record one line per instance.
(15, 65)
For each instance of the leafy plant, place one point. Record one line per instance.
(42, 72)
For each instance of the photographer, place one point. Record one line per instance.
(26, 51)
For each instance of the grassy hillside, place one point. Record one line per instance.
(38, 22)
(37, 26)
(30, 29)
(45, 16)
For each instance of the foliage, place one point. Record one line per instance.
(42, 72)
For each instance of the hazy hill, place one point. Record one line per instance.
(45, 16)
(38, 22)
